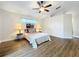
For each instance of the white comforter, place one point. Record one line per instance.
(36, 38)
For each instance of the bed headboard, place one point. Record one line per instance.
(30, 28)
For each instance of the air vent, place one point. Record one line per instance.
(58, 7)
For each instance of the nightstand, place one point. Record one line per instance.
(20, 36)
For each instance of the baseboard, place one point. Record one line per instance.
(62, 37)
(9, 38)
(76, 36)
(6, 40)
(66, 37)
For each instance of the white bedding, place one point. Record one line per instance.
(36, 38)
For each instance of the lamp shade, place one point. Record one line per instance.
(19, 29)
(38, 27)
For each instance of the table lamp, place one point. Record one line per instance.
(19, 29)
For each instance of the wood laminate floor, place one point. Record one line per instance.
(55, 48)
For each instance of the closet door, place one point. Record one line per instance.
(0, 31)
(75, 24)
(68, 28)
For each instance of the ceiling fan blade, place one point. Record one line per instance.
(42, 2)
(46, 10)
(58, 7)
(48, 5)
(38, 3)
(39, 11)
(35, 8)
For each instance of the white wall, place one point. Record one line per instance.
(67, 24)
(75, 23)
(7, 26)
(64, 25)
(54, 25)
(59, 25)
(0, 29)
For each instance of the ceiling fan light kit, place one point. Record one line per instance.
(42, 7)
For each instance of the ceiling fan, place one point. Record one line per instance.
(42, 7)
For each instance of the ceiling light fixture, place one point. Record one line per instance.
(42, 9)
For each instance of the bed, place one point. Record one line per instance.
(37, 38)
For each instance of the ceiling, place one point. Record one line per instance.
(25, 7)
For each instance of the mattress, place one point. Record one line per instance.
(36, 38)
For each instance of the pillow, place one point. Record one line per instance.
(30, 30)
